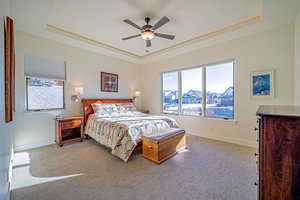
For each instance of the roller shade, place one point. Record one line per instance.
(37, 66)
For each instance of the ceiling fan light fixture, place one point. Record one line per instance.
(148, 32)
(147, 35)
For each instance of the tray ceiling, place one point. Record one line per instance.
(100, 22)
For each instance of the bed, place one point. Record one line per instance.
(116, 124)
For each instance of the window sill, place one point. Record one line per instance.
(44, 111)
(231, 121)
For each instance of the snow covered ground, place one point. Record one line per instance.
(212, 110)
(45, 97)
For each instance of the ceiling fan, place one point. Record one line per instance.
(148, 32)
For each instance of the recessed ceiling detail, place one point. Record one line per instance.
(89, 40)
(94, 22)
(124, 52)
(97, 25)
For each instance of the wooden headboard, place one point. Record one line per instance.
(87, 105)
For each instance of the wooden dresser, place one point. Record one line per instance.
(279, 152)
(69, 129)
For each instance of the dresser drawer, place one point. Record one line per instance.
(71, 124)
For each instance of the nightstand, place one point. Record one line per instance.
(144, 111)
(69, 129)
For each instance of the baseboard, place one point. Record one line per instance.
(238, 141)
(36, 144)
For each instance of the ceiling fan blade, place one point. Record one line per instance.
(148, 43)
(166, 36)
(130, 37)
(132, 24)
(161, 22)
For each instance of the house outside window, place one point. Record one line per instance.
(206, 91)
(170, 92)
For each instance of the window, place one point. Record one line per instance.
(219, 90)
(203, 91)
(191, 91)
(44, 94)
(45, 79)
(170, 92)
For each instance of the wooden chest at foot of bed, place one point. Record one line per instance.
(167, 144)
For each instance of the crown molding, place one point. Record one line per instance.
(207, 35)
(91, 41)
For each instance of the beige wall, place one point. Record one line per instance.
(268, 50)
(83, 68)
(297, 60)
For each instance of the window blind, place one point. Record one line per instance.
(37, 66)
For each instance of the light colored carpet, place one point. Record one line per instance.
(209, 170)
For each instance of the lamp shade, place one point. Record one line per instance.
(78, 90)
(137, 93)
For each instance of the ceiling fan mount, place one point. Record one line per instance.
(148, 32)
(147, 20)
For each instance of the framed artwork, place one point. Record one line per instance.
(9, 70)
(109, 82)
(262, 84)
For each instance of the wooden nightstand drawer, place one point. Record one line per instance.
(71, 124)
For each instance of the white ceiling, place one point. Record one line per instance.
(102, 21)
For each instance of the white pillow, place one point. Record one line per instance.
(126, 107)
(104, 108)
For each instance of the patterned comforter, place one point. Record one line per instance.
(122, 131)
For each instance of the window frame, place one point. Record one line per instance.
(47, 109)
(204, 67)
(179, 92)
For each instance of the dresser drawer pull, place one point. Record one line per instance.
(256, 129)
(255, 183)
(255, 154)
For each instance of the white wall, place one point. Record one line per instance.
(35, 129)
(297, 60)
(5, 133)
(268, 50)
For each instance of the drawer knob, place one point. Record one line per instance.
(256, 129)
(255, 183)
(150, 147)
(255, 154)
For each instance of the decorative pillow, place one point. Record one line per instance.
(126, 107)
(104, 108)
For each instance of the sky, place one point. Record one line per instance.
(218, 78)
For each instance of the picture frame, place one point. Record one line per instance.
(109, 82)
(262, 84)
(9, 70)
